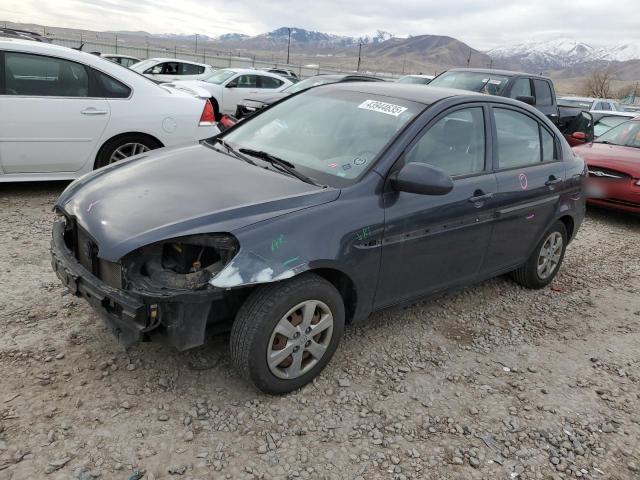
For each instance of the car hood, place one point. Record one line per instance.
(616, 157)
(267, 98)
(182, 191)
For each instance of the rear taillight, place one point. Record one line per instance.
(227, 121)
(208, 116)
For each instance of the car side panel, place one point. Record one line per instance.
(344, 235)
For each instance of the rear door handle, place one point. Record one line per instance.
(93, 111)
(481, 198)
(553, 180)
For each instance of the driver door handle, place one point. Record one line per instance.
(93, 111)
(553, 180)
(480, 197)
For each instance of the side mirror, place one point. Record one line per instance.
(526, 99)
(579, 136)
(231, 85)
(422, 179)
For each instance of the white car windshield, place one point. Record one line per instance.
(332, 136)
(220, 77)
(143, 65)
(308, 83)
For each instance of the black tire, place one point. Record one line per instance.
(527, 275)
(102, 159)
(257, 318)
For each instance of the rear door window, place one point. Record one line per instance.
(522, 141)
(38, 75)
(543, 93)
(190, 69)
(269, 82)
(109, 87)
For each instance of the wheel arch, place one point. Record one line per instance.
(570, 225)
(345, 286)
(121, 135)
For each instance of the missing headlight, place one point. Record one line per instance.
(181, 263)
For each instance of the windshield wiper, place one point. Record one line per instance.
(233, 151)
(283, 165)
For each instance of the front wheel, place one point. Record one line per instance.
(286, 332)
(544, 263)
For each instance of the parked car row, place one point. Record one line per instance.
(414, 190)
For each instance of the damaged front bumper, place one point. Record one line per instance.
(178, 318)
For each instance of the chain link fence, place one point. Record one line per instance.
(214, 58)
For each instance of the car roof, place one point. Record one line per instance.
(117, 55)
(580, 99)
(615, 113)
(416, 93)
(179, 60)
(504, 73)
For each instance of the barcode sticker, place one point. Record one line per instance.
(382, 107)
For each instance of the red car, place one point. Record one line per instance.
(614, 167)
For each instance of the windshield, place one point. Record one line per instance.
(143, 65)
(567, 102)
(482, 82)
(331, 136)
(626, 134)
(308, 83)
(607, 123)
(220, 77)
(415, 80)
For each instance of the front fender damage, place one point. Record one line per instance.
(250, 268)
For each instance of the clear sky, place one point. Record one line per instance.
(482, 24)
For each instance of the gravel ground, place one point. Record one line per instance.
(492, 382)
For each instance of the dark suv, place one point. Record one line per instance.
(335, 203)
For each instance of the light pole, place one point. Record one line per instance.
(359, 56)
(289, 46)
(196, 43)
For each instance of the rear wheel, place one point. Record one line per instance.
(285, 333)
(123, 147)
(544, 263)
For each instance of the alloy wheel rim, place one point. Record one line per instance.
(300, 339)
(127, 150)
(550, 254)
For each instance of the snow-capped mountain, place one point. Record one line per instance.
(561, 53)
(303, 38)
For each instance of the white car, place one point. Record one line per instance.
(66, 112)
(591, 104)
(124, 60)
(170, 69)
(229, 86)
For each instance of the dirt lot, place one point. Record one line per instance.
(492, 382)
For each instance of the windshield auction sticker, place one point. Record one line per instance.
(382, 107)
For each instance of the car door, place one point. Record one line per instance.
(237, 89)
(530, 177)
(434, 242)
(49, 123)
